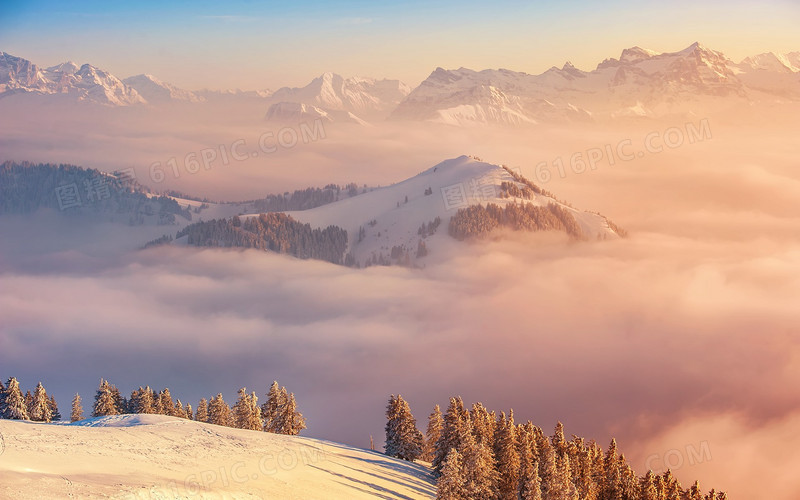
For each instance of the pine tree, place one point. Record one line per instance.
(434, 431)
(218, 411)
(104, 400)
(40, 410)
(506, 457)
(647, 487)
(450, 485)
(629, 484)
(179, 411)
(548, 467)
(142, 400)
(694, 492)
(201, 415)
(189, 413)
(245, 412)
(403, 439)
(28, 402)
(532, 484)
(558, 441)
(293, 420)
(612, 481)
(165, 403)
(480, 476)
(484, 424)
(77, 409)
(56, 415)
(272, 409)
(456, 427)
(14, 407)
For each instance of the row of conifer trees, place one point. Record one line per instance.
(278, 414)
(477, 454)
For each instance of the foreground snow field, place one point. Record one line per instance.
(160, 457)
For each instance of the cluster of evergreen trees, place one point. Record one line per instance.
(480, 455)
(305, 199)
(278, 414)
(37, 406)
(26, 187)
(276, 232)
(477, 220)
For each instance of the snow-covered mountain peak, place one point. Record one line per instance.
(392, 217)
(67, 68)
(636, 54)
(769, 61)
(359, 97)
(156, 91)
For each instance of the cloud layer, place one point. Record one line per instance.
(684, 334)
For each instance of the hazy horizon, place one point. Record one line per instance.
(268, 46)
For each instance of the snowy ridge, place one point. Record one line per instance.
(391, 216)
(86, 83)
(349, 99)
(641, 82)
(156, 91)
(160, 457)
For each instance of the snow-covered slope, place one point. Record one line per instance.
(159, 457)
(641, 82)
(359, 98)
(392, 216)
(18, 74)
(773, 74)
(156, 91)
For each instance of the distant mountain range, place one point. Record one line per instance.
(640, 83)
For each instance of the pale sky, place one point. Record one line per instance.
(257, 45)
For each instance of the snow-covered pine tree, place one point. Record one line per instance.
(28, 402)
(450, 485)
(256, 423)
(165, 403)
(647, 487)
(506, 456)
(403, 439)
(189, 413)
(434, 431)
(201, 415)
(77, 409)
(40, 410)
(480, 476)
(56, 415)
(547, 464)
(672, 487)
(218, 411)
(14, 407)
(104, 401)
(142, 400)
(694, 492)
(558, 441)
(611, 489)
(456, 427)
(179, 411)
(564, 487)
(532, 484)
(483, 424)
(629, 483)
(241, 410)
(293, 420)
(272, 409)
